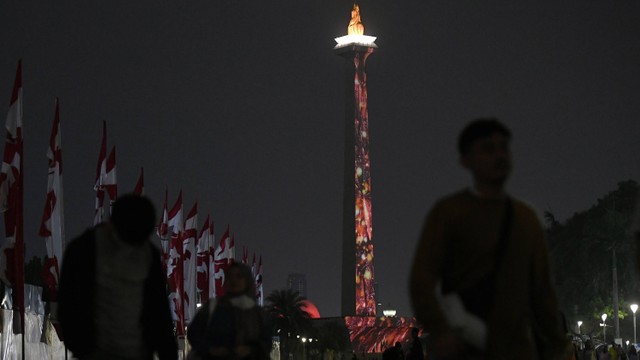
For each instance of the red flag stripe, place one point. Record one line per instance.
(139, 189)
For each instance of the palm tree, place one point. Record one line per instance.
(285, 309)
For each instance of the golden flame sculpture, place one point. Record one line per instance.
(355, 25)
(355, 32)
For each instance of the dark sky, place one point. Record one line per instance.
(241, 105)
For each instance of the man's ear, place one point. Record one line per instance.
(464, 161)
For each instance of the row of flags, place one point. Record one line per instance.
(194, 266)
(256, 271)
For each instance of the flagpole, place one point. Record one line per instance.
(20, 247)
(20, 236)
(102, 155)
(11, 200)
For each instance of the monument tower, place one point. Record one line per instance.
(367, 332)
(357, 230)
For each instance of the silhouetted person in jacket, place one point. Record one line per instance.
(113, 300)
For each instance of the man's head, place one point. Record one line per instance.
(484, 150)
(239, 280)
(134, 218)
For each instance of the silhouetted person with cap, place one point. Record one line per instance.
(113, 300)
(480, 281)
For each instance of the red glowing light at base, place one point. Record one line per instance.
(311, 309)
(374, 335)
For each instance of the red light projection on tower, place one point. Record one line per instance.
(367, 334)
(356, 48)
(365, 295)
(374, 335)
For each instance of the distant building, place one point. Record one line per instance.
(297, 282)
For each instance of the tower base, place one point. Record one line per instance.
(362, 335)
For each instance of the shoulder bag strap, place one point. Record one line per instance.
(505, 231)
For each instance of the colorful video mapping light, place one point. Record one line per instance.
(374, 335)
(365, 294)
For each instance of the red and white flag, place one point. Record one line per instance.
(212, 254)
(52, 224)
(221, 262)
(11, 199)
(175, 268)
(102, 158)
(139, 189)
(203, 261)
(253, 266)
(231, 255)
(259, 289)
(109, 178)
(106, 179)
(245, 255)
(175, 216)
(189, 255)
(163, 231)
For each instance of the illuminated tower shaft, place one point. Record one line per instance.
(357, 231)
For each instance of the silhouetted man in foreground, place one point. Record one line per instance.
(480, 280)
(113, 302)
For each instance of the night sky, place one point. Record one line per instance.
(241, 105)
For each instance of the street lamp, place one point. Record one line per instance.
(579, 324)
(304, 348)
(604, 327)
(634, 308)
(389, 312)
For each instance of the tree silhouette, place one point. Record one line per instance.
(285, 309)
(582, 250)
